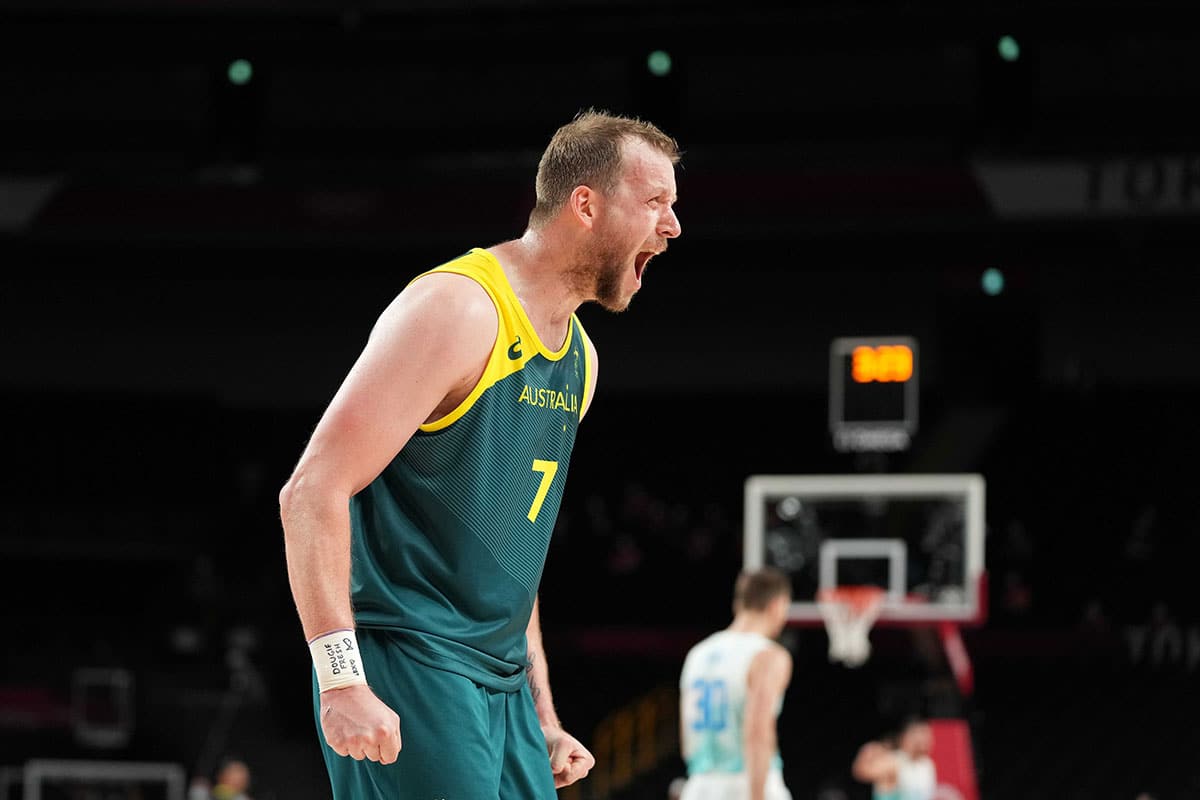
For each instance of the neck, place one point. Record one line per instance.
(535, 265)
(752, 622)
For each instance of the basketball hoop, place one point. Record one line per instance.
(849, 612)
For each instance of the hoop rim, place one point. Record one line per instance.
(860, 598)
(849, 612)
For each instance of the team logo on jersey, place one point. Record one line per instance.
(514, 350)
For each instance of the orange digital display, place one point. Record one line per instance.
(888, 363)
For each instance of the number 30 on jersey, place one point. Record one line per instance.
(711, 704)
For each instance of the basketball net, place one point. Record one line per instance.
(849, 612)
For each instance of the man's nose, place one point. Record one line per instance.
(669, 226)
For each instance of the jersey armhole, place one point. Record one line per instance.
(588, 370)
(486, 378)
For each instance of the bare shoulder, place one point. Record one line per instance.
(781, 660)
(441, 300)
(433, 339)
(778, 655)
(771, 666)
(593, 361)
(449, 319)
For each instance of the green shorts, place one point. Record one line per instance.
(459, 740)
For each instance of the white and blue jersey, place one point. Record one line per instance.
(916, 779)
(712, 691)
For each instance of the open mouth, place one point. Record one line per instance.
(639, 263)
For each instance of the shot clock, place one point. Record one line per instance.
(873, 393)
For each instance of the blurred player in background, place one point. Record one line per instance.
(899, 769)
(731, 692)
(232, 783)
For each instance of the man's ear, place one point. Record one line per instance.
(584, 204)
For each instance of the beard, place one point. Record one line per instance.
(600, 273)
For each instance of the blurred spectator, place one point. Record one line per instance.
(1094, 620)
(244, 675)
(702, 537)
(1166, 638)
(1142, 542)
(1017, 543)
(1018, 594)
(204, 586)
(1011, 559)
(232, 783)
(625, 557)
(899, 766)
(640, 509)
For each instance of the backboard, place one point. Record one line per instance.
(918, 537)
(61, 779)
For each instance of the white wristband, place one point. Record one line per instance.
(337, 660)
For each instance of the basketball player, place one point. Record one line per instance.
(731, 691)
(417, 520)
(899, 771)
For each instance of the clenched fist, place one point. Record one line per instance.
(569, 760)
(358, 724)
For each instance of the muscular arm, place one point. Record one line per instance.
(427, 347)
(569, 760)
(770, 672)
(428, 342)
(538, 673)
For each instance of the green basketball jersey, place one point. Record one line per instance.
(449, 541)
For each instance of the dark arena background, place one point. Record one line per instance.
(205, 205)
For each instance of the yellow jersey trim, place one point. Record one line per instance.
(586, 403)
(502, 278)
(514, 331)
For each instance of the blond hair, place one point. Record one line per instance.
(587, 151)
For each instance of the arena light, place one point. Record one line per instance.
(1008, 48)
(659, 63)
(240, 72)
(992, 281)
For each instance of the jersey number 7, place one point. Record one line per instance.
(548, 469)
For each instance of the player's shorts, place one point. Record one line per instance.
(459, 740)
(732, 786)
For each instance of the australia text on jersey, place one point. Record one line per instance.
(550, 398)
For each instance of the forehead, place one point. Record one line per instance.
(645, 167)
